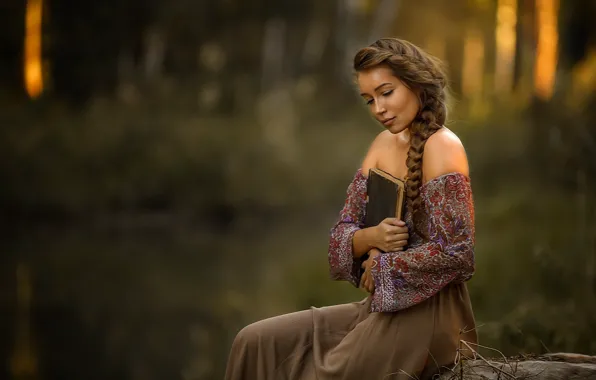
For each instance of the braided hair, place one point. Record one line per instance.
(425, 76)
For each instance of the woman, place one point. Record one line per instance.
(418, 311)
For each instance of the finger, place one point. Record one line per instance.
(396, 230)
(402, 229)
(395, 222)
(401, 243)
(398, 237)
(371, 283)
(394, 240)
(392, 235)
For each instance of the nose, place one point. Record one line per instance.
(379, 108)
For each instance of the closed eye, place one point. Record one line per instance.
(369, 102)
(387, 93)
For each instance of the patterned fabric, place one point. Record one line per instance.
(405, 278)
(342, 264)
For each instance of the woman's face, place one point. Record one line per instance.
(389, 100)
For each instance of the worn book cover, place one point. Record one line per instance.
(385, 199)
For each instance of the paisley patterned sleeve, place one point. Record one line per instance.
(403, 279)
(342, 265)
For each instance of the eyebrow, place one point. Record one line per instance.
(379, 86)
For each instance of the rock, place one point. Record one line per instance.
(556, 366)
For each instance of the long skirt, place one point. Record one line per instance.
(346, 342)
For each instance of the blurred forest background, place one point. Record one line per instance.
(170, 171)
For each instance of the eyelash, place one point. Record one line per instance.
(387, 93)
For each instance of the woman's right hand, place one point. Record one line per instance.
(391, 235)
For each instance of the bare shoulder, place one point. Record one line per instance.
(444, 153)
(376, 147)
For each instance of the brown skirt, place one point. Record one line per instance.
(347, 342)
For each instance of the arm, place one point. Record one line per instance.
(349, 241)
(403, 279)
(343, 265)
(362, 241)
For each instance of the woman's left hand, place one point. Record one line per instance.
(367, 282)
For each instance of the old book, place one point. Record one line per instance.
(384, 199)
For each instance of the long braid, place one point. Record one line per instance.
(424, 126)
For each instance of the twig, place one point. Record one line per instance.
(490, 348)
(461, 366)
(494, 367)
(403, 372)
(544, 345)
(408, 375)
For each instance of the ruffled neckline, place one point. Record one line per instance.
(433, 183)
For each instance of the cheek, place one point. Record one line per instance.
(404, 100)
(413, 105)
(406, 105)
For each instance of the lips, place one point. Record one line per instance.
(388, 121)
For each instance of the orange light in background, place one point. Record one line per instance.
(546, 51)
(473, 63)
(32, 62)
(505, 40)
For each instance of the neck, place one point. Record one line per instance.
(404, 136)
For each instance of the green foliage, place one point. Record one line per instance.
(109, 158)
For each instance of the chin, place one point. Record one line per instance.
(395, 129)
